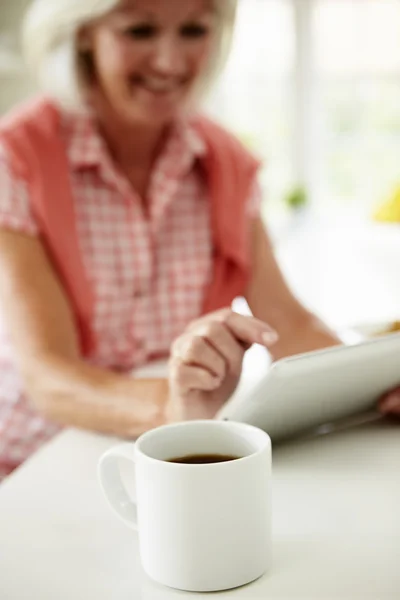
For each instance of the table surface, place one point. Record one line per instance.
(336, 524)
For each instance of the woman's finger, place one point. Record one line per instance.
(228, 347)
(187, 378)
(246, 329)
(390, 404)
(196, 351)
(250, 330)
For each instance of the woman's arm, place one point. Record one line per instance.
(271, 300)
(43, 332)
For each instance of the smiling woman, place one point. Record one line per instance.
(128, 225)
(51, 29)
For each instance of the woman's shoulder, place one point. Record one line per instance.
(30, 128)
(35, 113)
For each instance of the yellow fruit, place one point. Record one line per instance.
(389, 211)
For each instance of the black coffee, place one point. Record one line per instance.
(201, 459)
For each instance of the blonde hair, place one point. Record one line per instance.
(50, 43)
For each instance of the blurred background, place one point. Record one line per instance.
(313, 87)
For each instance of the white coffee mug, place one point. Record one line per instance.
(202, 527)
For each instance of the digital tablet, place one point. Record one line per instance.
(316, 388)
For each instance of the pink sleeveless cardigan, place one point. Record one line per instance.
(31, 135)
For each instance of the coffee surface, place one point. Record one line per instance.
(201, 459)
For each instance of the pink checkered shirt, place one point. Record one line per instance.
(149, 270)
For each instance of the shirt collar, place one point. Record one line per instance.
(86, 147)
(191, 139)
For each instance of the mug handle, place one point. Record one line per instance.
(112, 485)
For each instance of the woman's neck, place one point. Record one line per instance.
(133, 147)
(133, 144)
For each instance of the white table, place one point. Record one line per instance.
(336, 517)
(336, 499)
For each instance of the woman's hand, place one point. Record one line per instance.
(390, 403)
(206, 362)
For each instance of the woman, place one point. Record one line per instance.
(126, 222)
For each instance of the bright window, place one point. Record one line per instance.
(314, 87)
(357, 53)
(254, 95)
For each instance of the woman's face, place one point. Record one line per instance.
(148, 53)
